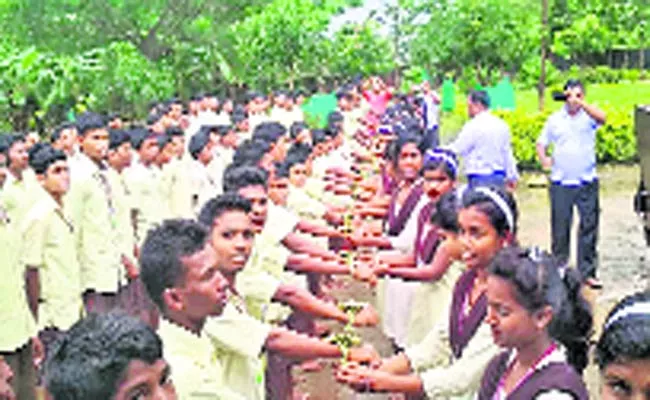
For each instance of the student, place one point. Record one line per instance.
(536, 311)
(64, 138)
(228, 140)
(204, 184)
(299, 132)
(449, 362)
(143, 181)
(17, 373)
(623, 350)
(176, 178)
(48, 253)
(181, 271)
(93, 210)
(20, 190)
(110, 356)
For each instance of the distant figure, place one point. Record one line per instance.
(484, 143)
(572, 132)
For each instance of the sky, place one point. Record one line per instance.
(360, 14)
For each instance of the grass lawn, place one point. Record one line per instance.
(621, 95)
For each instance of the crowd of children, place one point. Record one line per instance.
(194, 257)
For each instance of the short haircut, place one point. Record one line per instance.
(197, 144)
(269, 132)
(574, 83)
(238, 177)
(223, 130)
(42, 155)
(56, 134)
(318, 136)
(296, 128)
(139, 134)
(90, 360)
(480, 97)
(164, 140)
(11, 140)
(218, 206)
(161, 267)
(300, 150)
(89, 121)
(117, 137)
(174, 131)
(238, 117)
(250, 152)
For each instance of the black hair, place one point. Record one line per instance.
(223, 130)
(216, 207)
(476, 197)
(300, 150)
(152, 119)
(117, 137)
(174, 131)
(198, 143)
(446, 212)
(250, 152)
(318, 136)
(480, 97)
(90, 360)
(238, 177)
(11, 140)
(89, 121)
(432, 162)
(626, 335)
(574, 83)
(164, 140)
(403, 140)
(540, 281)
(138, 135)
(269, 132)
(296, 128)
(42, 155)
(160, 258)
(56, 134)
(238, 116)
(282, 169)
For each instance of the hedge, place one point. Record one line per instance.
(615, 141)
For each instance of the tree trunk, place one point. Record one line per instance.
(541, 88)
(642, 57)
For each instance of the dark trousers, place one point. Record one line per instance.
(22, 365)
(100, 303)
(585, 198)
(431, 138)
(495, 179)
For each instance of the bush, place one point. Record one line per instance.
(615, 141)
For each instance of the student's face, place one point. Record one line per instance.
(31, 139)
(298, 175)
(410, 161)
(436, 183)
(149, 150)
(232, 239)
(56, 180)
(227, 106)
(243, 126)
(176, 111)
(304, 137)
(280, 149)
(6, 376)
(204, 291)
(230, 140)
(167, 153)
(279, 190)
(179, 143)
(626, 380)
(18, 158)
(258, 197)
(144, 381)
(68, 139)
(512, 325)
(95, 144)
(480, 240)
(206, 155)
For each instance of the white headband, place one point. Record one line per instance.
(640, 308)
(503, 206)
(440, 155)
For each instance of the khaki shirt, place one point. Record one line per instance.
(18, 196)
(14, 309)
(176, 189)
(48, 243)
(144, 186)
(239, 354)
(443, 376)
(124, 231)
(196, 371)
(93, 211)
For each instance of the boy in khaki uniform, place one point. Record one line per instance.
(20, 189)
(48, 251)
(93, 210)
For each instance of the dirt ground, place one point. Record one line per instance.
(624, 267)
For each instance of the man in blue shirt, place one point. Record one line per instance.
(484, 144)
(572, 132)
